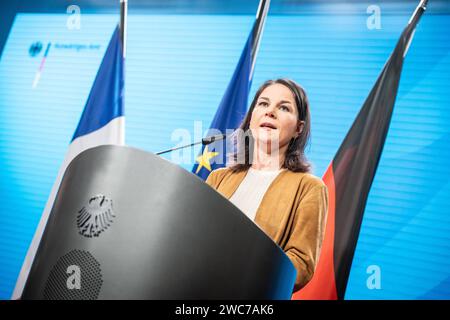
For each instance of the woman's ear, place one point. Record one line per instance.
(300, 126)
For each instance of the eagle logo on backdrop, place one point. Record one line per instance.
(95, 217)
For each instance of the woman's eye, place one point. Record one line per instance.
(284, 108)
(263, 104)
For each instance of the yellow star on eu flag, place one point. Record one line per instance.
(203, 160)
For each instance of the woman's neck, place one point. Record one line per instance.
(268, 160)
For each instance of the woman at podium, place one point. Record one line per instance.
(269, 177)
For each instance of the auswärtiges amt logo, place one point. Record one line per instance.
(95, 217)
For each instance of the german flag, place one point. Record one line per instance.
(350, 174)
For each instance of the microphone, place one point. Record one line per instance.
(211, 139)
(205, 141)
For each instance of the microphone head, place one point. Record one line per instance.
(211, 139)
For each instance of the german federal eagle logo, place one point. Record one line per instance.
(95, 217)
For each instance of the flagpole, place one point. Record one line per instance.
(123, 25)
(419, 11)
(261, 15)
(417, 14)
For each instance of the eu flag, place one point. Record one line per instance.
(230, 113)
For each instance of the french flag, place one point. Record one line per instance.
(101, 123)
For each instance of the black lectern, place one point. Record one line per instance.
(127, 224)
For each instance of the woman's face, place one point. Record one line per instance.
(274, 119)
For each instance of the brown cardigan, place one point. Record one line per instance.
(292, 213)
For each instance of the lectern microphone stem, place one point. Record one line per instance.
(204, 141)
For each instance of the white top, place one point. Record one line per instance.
(251, 191)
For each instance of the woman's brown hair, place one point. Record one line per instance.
(295, 159)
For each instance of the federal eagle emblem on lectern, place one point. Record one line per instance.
(96, 216)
